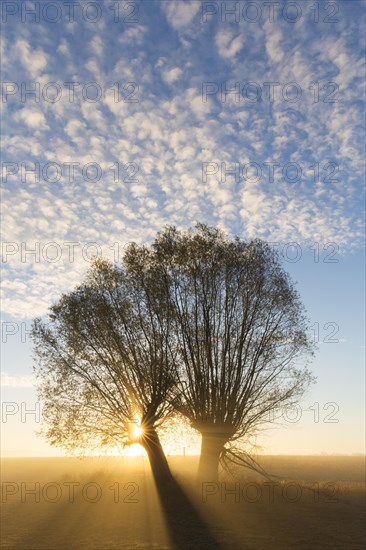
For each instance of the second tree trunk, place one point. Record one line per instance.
(211, 448)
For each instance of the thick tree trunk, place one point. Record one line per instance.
(211, 447)
(158, 462)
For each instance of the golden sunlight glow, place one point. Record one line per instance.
(136, 431)
(134, 450)
(177, 438)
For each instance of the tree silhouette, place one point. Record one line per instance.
(195, 324)
(240, 327)
(105, 363)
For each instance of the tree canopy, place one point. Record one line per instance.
(240, 330)
(196, 323)
(105, 363)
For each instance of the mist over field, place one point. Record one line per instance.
(112, 503)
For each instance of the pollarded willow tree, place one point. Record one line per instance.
(240, 329)
(195, 324)
(105, 363)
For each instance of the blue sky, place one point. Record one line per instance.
(293, 132)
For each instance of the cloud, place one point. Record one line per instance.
(97, 45)
(133, 35)
(172, 75)
(33, 60)
(273, 39)
(9, 381)
(31, 117)
(181, 14)
(63, 48)
(196, 104)
(168, 134)
(74, 128)
(228, 45)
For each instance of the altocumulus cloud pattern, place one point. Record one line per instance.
(122, 117)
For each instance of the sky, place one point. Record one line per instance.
(119, 118)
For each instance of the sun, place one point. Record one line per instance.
(136, 431)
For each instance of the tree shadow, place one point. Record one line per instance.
(186, 527)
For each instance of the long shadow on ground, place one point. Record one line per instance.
(187, 528)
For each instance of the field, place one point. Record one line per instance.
(112, 503)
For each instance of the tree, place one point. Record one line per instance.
(240, 330)
(195, 324)
(106, 365)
